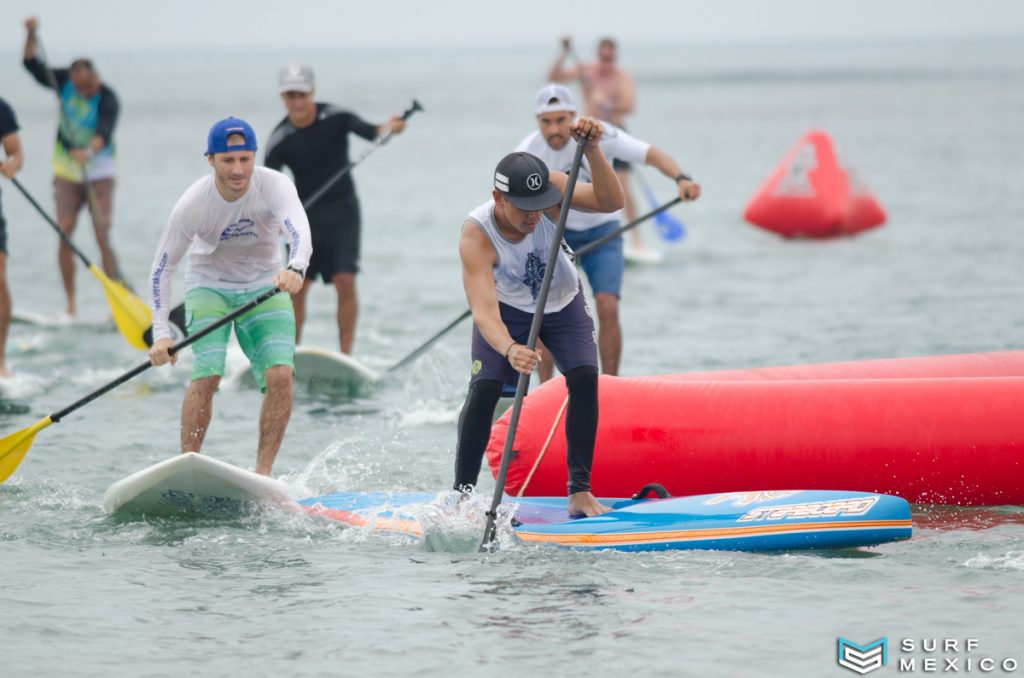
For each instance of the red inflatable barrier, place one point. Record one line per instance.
(940, 430)
(809, 195)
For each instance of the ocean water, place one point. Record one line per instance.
(933, 128)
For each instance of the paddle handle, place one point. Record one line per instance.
(241, 310)
(531, 343)
(381, 140)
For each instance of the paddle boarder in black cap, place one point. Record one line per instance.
(503, 247)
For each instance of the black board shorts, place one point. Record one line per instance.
(334, 225)
(569, 335)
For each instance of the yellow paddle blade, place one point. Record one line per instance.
(131, 315)
(14, 447)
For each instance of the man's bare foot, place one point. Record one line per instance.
(584, 504)
(5, 373)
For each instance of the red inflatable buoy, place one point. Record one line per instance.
(937, 430)
(809, 195)
(863, 211)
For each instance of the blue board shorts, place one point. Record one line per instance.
(605, 264)
(266, 333)
(568, 334)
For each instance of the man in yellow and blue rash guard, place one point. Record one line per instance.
(83, 157)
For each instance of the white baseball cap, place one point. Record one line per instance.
(553, 97)
(295, 77)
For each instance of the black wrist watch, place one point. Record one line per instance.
(683, 176)
(296, 269)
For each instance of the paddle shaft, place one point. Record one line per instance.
(589, 247)
(241, 310)
(531, 342)
(379, 141)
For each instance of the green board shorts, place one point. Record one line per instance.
(266, 333)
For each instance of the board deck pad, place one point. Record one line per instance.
(742, 521)
(191, 483)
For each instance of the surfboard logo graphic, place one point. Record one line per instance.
(863, 658)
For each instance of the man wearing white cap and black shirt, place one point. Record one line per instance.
(555, 111)
(504, 250)
(313, 142)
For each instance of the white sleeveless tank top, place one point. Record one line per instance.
(521, 265)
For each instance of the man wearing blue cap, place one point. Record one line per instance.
(504, 249)
(230, 224)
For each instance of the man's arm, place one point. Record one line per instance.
(10, 141)
(12, 147)
(174, 243)
(34, 64)
(109, 110)
(559, 72)
(478, 261)
(605, 193)
(295, 226)
(689, 190)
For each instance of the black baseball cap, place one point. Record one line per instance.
(523, 179)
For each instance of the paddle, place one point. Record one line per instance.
(590, 246)
(378, 142)
(669, 227)
(531, 342)
(14, 447)
(131, 315)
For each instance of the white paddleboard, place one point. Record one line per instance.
(191, 483)
(323, 371)
(641, 255)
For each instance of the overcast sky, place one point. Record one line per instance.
(102, 25)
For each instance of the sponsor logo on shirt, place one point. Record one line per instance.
(242, 228)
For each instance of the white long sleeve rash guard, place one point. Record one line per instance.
(230, 245)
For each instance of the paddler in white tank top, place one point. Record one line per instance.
(504, 248)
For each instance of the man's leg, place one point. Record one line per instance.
(196, 412)
(299, 304)
(348, 309)
(267, 337)
(274, 415)
(203, 307)
(569, 335)
(580, 433)
(68, 198)
(5, 309)
(100, 199)
(490, 370)
(609, 335)
(474, 431)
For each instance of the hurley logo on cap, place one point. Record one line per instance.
(523, 179)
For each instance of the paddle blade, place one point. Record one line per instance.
(669, 228)
(131, 315)
(14, 447)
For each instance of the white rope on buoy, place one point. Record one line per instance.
(544, 448)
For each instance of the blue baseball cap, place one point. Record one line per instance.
(217, 140)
